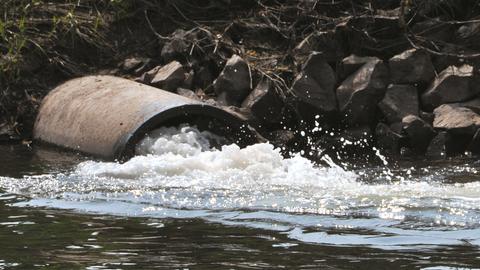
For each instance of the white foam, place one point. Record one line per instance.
(179, 169)
(184, 141)
(185, 155)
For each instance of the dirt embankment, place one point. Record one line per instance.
(401, 75)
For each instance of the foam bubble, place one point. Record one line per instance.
(178, 168)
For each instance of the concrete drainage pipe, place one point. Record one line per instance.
(107, 116)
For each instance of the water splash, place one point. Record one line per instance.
(178, 173)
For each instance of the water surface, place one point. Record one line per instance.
(182, 203)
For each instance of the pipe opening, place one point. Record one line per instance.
(204, 118)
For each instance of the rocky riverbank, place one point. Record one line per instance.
(401, 76)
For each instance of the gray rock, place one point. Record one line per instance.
(388, 140)
(469, 35)
(473, 105)
(264, 102)
(187, 93)
(400, 100)
(433, 29)
(135, 66)
(397, 127)
(456, 119)
(451, 85)
(351, 64)
(131, 63)
(447, 144)
(169, 77)
(176, 47)
(427, 117)
(281, 137)
(374, 34)
(359, 94)
(188, 45)
(234, 82)
(356, 133)
(419, 133)
(188, 82)
(146, 64)
(148, 76)
(412, 66)
(437, 148)
(241, 113)
(203, 77)
(474, 145)
(353, 142)
(315, 85)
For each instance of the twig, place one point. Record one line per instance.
(153, 29)
(420, 47)
(183, 15)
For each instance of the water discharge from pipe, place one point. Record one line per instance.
(183, 173)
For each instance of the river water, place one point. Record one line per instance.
(182, 203)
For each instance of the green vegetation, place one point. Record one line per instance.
(37, 36)
(45, 42)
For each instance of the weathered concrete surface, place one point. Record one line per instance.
(106, 116)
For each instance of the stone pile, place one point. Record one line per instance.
(402, 104)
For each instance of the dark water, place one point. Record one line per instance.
(107, 232)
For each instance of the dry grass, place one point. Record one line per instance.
(39, 38)
(43, 42)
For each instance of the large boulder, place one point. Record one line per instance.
(412, 66)
(451, 85)
(359, 94)
(265, 103)
(169, 77)
(400, 100)
(234, 82)
(456, 119)
(419, 133)
(315, 85)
